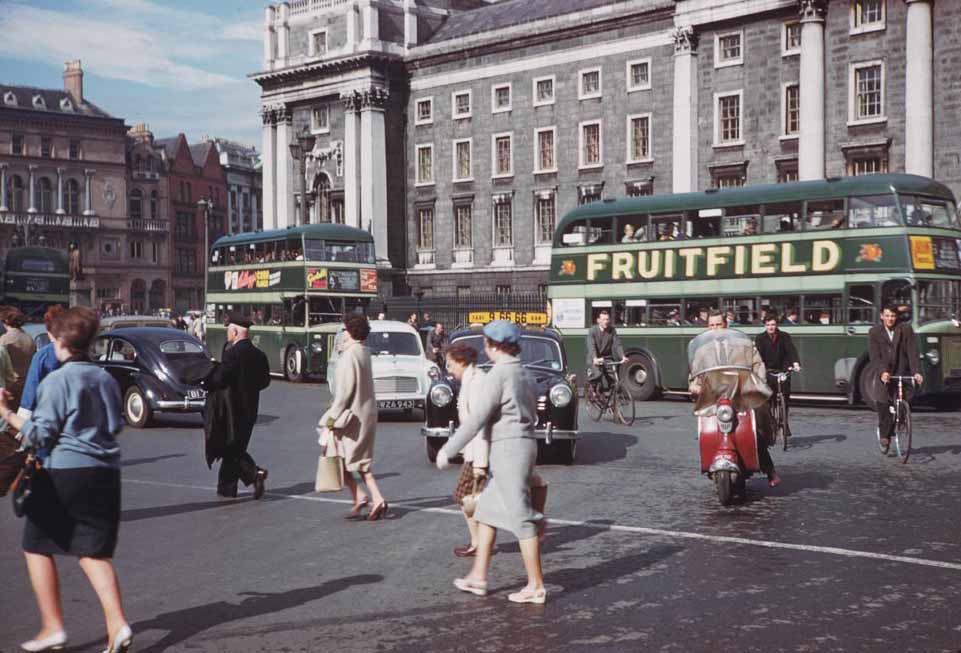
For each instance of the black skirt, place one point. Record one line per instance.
(73, 512)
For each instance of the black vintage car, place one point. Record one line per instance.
(543, 355)
(154, 367)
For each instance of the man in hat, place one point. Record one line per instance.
(243, 373)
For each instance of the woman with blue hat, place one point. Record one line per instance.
(508, 408)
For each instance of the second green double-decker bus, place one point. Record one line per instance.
(33, 278)
(296, 285)
(825, 255)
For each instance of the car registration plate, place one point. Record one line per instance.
(396, 403)
(196, 394)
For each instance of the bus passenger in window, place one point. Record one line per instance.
(628, 234)
(674, 318)
(730, 318)
(701, 318)
(824, 318)
(750, 227)
(667, 231)
(838, 222)
(791, 319)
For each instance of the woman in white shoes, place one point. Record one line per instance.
(74, 508)
(508, 407)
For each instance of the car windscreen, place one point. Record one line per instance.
(397, 343)
(535, 350)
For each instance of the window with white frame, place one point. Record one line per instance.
(424, 111)
(590, 151)
(866, 100)
(639, 138)
(545, 211)
(320, 120)
(639, 75)
(727, 118)
(728, 180)
(791, 115)
(318, 43)
(545, 155)
(503, 223)
(463, 156)
(463, 219)
(866, 165)
(503, 155)
(425, 164)
(867, 16)
(791, 38)
(589, 84)
(728, 49)
(500, 98)
(425, 228)
(787, 171)
(543, 91)
(461, 104)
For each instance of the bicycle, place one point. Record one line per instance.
(779, 407)
(902, 422)
(617, 398)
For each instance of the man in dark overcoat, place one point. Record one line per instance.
(894, 352)
(243, 373)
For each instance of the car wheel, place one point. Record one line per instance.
(564, 451)
(433, 446)
(136, 409)
(638, 375)
(290, 366)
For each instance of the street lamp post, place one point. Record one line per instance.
(206, 204)
(299, 150)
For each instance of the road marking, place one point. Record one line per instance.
(640, 530)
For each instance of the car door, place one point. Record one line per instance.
(122, 362)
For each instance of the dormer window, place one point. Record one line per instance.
(10, 99)
(38, 102)
(66, 104)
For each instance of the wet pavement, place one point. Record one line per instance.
(852, 552)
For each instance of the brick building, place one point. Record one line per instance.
(458, 132)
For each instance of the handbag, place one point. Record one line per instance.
(469, 501)
(330, 474)
(21, 488)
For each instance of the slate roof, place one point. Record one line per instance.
(508, 14)
(199, 152)
(51, 98)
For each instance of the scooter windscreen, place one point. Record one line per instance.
(723, 364)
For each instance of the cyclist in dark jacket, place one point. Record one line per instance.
(894, 352)
(779, 354)
(603, 344)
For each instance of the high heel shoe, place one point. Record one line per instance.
(379, 512)
(357, 509)
(53, 642)
(122, 640)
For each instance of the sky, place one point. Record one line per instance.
(177, 65)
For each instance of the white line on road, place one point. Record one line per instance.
(829, 550)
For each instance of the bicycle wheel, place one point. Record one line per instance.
(781, 425)
(595, 404)
(623, 406)
(902, 432)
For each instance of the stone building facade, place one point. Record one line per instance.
(242, 167)
(460, 132)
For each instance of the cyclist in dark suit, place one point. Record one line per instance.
(894, 352)
(602, 343)
(779, 354)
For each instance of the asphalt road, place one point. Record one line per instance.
(852, 551)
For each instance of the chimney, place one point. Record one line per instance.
(73, 80)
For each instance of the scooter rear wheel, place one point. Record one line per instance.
(724, 484)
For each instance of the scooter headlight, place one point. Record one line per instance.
(441, 395)
(725, 414)
(561, 395)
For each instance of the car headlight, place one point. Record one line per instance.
(933, 356)
(433, 372)
(441, 395)
(725, 414)
(561, 395)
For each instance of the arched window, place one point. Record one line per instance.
(44, 195)
(71, 197)
(154, 204)
(321, 210)
(15, 196)
(149, 163)
(136, 204)
(138, 163)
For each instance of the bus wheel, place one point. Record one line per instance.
(291, 373)
(864, 388)
(638, 374)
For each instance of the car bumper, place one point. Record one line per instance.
(183, 406)
(548, 434)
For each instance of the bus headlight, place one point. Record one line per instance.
(441, 395)
(561, 395)
(316, 347)
(933, 356)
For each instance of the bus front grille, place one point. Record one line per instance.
(395, 385)
(951, 356)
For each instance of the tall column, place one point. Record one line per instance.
(283, 34)
(919, 90)
(351, 167)
(811, 108)
(352, 23)
(370, 21)
(685, 110)
(268, 169)
(373, 168)
(410, 23)
(88, 192)
(3, 187)
(285, 175)
(270, 38)
(60, 202)
(33, 189)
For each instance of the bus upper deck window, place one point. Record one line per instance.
(825, 214)
(575, 235)
(742, 221)
(633, 228)
(667, 227)
(600, 231)
(779, 218)
(927, 212)
(872, 211)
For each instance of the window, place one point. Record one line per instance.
(791, 38)
(872, 165)
(727, 179)
(74, 150)
(544, 217)
(866, 100)
(937, 300)
(500, 98)
(462, 160)
(320, 120)
(45, 195)
(791, 122)
(46, 147)
(15, 196)
(461, 101)
(16, 144)
(425, 228)
(186, 261)
(154, 203)
(136, 249)
(787, 171)
(665, 312)
(318, 43)
(588, 194)
(72, 197)
(503, 154)
(821, 309)
(728, 49)
(825, 214)
(727, 119)
(867, 16)
(424, 111)
(589, 85)
(463, 219)
(503, 223)
(184, 226)
(425, 165)
(921, 211)
(639, 138)
(136, 204)
(543, 91)
(639, 75)
(639, 188)
(590, 152)
(545, 156)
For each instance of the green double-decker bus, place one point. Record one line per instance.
(33, 278)
(825, 255)
(296, 285)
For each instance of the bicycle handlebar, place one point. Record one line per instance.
(894, 377)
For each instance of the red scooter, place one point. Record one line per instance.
(728, 444)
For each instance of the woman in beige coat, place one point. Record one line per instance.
(354, 392)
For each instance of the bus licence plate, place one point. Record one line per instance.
(396, 403)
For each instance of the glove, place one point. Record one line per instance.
(797, 367)
(480, 472)
(442, 460)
